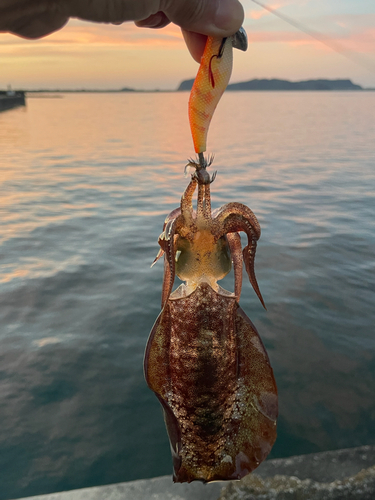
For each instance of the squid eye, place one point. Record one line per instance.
(178, 253)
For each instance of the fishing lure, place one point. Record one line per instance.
(210, 83)
(204, 358)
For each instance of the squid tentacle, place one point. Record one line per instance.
(237, 208)
(173, 215)
(159, 254)
(187, 211)
(249, 257)
(237, 222)
(234, 241)
(169, 260)
(201, 202)
(207, 201)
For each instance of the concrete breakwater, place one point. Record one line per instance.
(9, 100)
(347, 474)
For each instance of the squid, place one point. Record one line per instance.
(204, 359)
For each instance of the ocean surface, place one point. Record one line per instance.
(86, 182)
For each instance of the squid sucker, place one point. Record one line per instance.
(204, 358)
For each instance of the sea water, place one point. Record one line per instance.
(86, 182)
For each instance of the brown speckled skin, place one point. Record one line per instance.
(204, 358)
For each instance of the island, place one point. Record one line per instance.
(276, 84)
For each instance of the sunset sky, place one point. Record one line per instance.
(87, 55)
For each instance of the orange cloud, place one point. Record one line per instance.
(107, 56)
(94, 55)
(97, 35)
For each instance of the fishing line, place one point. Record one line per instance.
(320, 37)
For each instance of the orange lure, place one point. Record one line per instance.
(210, 83)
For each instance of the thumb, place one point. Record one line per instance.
(218, 18)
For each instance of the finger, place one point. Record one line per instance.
(113, 11)
(39, 27)
(196, 43)
(210, 17)
(31, 20)
(38, 18)
(219, 18)
(158, 20)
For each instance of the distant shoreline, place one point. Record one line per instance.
(276, 84)
(174, 91)
(255, 85)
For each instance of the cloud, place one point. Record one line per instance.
(276, 36)
(292, 38)
(261, 12)
(363, 41)
(97, 35)
(354, 33)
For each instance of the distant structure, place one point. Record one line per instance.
(276, 84)
(11, 99)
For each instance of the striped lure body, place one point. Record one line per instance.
(209, 85)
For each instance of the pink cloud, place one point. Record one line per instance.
(348, 32)
(359, 40)
(279, 36)
(257, 14)
(260, 12)
(362, 41)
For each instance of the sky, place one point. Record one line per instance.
(88, 55)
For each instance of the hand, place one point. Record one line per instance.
(197, 18)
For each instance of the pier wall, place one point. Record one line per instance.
(347, 474)
(9, 100)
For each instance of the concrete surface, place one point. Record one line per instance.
(159, 488)
(323, 467)
(334, 475)
(358, 487)
(317, 475)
